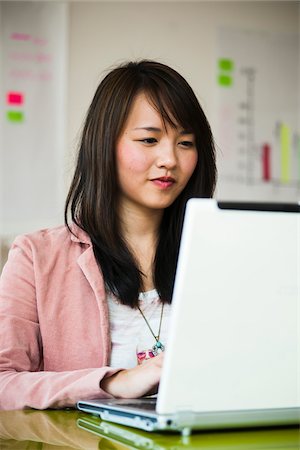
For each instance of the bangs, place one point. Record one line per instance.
(171, 106)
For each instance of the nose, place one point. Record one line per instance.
(166, 157)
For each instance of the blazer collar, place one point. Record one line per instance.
(79, 235)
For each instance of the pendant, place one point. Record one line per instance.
(145, 354)
(158, 347)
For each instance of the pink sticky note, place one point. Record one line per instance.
(15, 98)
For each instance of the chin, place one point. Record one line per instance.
(160, 205)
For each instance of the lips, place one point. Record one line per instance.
(163, 182)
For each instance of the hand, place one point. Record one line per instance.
(137, 382)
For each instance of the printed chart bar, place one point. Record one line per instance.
(266, 162)
(298, 154)
(285, 153)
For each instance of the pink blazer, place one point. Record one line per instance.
(54, 333)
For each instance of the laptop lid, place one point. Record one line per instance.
(234, 337)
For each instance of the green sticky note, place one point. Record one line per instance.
(15, 116)
(226, 64)
(225, 80)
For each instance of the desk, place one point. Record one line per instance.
(49, 430)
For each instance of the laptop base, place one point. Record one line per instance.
(133, 416)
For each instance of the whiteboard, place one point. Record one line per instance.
(33, 75)
(257, 110)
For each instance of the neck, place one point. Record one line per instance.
(138, 224)
(140, 230)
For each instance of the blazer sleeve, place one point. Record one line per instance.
(23, 383)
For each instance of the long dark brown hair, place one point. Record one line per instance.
(93, 196)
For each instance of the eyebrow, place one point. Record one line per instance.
(158, 130)
(155, 129)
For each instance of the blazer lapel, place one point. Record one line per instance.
(92, 272)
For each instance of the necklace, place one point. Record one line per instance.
(158, 346)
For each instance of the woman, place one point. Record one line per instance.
(84, 307)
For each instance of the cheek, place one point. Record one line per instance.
(189, 164)
(130, 159)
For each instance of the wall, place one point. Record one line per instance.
(33, 38)
(182, 34)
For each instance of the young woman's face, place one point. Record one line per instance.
(154, 161)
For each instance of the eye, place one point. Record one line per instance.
(187, 144)
(148, 140)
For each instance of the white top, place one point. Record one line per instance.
(129, 331)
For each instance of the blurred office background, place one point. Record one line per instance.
(241, 58)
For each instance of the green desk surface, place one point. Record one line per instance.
(63, 430)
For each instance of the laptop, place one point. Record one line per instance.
(233, 355)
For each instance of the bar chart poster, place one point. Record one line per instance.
(257, 116)
(33, 86)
